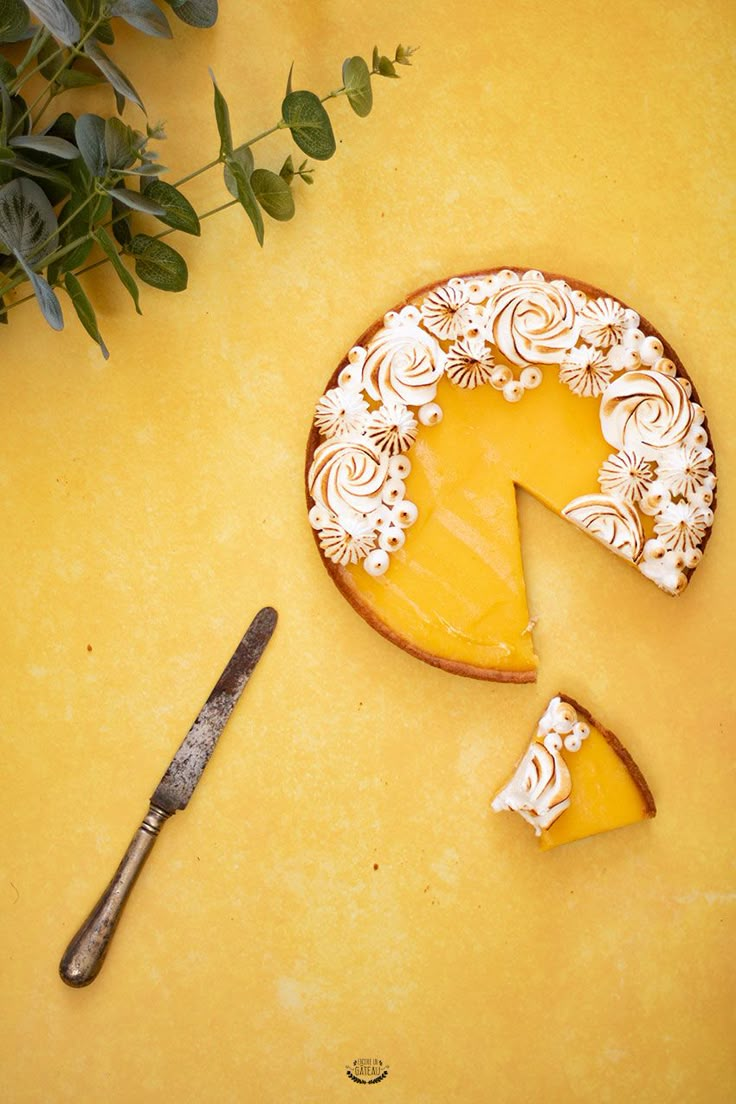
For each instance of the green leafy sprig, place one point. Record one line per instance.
(84, 182)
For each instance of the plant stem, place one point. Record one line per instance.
(15, 281)
(197, 172)
(36, 44)
(76, 51)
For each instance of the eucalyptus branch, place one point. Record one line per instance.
(66, 189)
(52, 91)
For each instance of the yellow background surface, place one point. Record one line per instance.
(338, 887)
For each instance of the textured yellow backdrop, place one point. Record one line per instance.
(338, 888)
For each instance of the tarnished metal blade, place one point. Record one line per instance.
(185, 769)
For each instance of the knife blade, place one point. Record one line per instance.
(83, 958)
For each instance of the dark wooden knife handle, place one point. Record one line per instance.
(83, 958)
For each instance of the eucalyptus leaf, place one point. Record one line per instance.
(157, 264)
(197, 13)
(41, 172)
(85, 310)
(120, 148)
(246, 196)
(121, 226)
(56, 17)
(108, 247)
(43, 143)
(105, 34)
(136, 201)
(147, 168)
(13, 21)
(78, 78)
(287, 170)
(309, 124)
(273, 194)
(7, 71)
(222, 117)
(49, 58)
(120, 83)
(244, 157)
(75, 219)
(356, 77)
(89, 134)
(144, 15)
(178, 211)
(386, 68)
(28, 225)
(45, 296)
(6, 114)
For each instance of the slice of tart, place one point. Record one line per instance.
(575, 779)
(473, 388)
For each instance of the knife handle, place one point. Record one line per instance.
(83, 958)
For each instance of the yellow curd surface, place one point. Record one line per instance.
(456, 589)
(338, 888)
(605, 794)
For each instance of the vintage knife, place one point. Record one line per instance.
(85, 954)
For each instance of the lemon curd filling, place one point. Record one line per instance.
(575, 779)
(472, 389)
(456, 587)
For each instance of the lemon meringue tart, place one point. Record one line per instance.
(469, 389)
(575, 779)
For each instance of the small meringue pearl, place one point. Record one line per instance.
(697, 437)
(351, 376)
(579, 298)
(625, 359)
(581, 730)
(399, 466)
(654, 550)
(573, 743)
(693, 557)
(357, 354)
(392, 539)
(376, 562)
(506, 276)
(666, 366)
(405, 514)
(533, 274)
(530, 378)
(553, 741)
(393, 491)
(632, 338)
(565, 713)
(381, 518)
(318, 517)
(500, 377)
(430, 414)
(686, 385)
(650, 350)
(513, 391)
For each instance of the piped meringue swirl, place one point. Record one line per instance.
(532, 322)
(404, 363)
(347, 477)
(645, 411)
(612, 521)
(540, 787)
